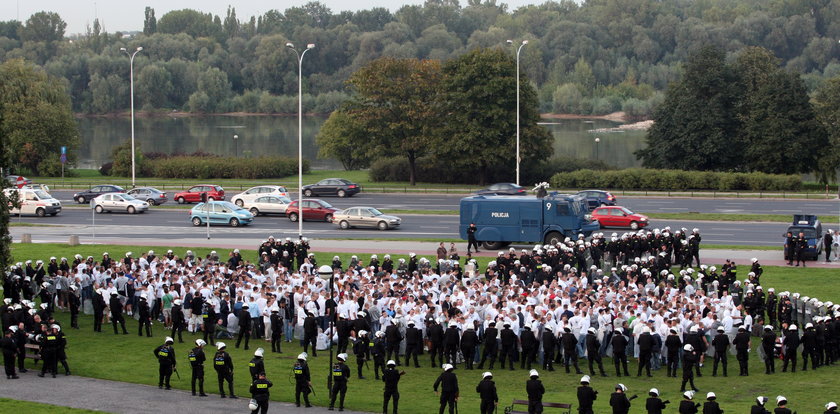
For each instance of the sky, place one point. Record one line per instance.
(121, 15)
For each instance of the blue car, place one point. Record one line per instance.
(220, 212)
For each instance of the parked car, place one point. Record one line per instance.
(96, 191)
(617, 216)
(13, 180)
(598, 198)
(253, 193)
(503, 189)
(193, 194)
(119, 202)
(365, 217)
(269, 204)
(153, 196)
(35, 202)
(332, 186)
(220, 212)
(313, 209)
(43, 187)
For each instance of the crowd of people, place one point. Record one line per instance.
(642, 295)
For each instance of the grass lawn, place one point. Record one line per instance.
(17, 406)
(93, 354)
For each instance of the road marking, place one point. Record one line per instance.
(787, 211)
(674, 208)
(719, 234)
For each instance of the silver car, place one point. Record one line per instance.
(119, 202)
(365, 217)
(151, 195)
(248, 196)
(269, 204)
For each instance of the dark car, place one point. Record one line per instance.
(332, 186)
(503, 189)
(597, 198)
(810, 227)
(151, 195)
(96, 191)
(313, 209)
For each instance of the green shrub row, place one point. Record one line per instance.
(650, 179)
(223, 167)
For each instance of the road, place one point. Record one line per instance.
(640, 204)
(174, 224)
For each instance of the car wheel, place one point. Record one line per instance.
(196, 221)
(131, 210)
(382, 225)
(99, 209)
(344, 225)
(341, 193)
(328, 218)
(152, 202)
(293, 217)
(80, 199)
(634, 225)
(180, 200)
(40, 212)
(234, 222)
(211, 199)
(255, 211)
(239, 202)
(307, 193)
(553, 238)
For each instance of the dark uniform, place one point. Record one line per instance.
(145, 319)
(256, 366)
(224, 371)
(490, 346)
(586, 396)
(655, 405)
(98, 311)
(790, 343)
(9, 347)
(208, 321)
(448, 383)
(620, 403)
(451, 344)
(645, 344)
(393, 337)
(166, 360)
(310, 333)
(117, 313)
(549, 342)
(593, 353)
(529, 347)
(688, 407)
(486, 390)
(413, 344)
(340, 376)
(742, 347)
(244, 327)
(377, 351)
(361, 349)
(434, 332)
(302, 381)
(276, 331)
(619, 344)
(768, 345)
(391, 377)
(712, 407)
(509, 349)
(469, 340)
(689, 359)
(260, 393)
(535, 389)
(197, 358)
(721, 345)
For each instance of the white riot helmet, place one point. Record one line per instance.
(486, 375)
(200, 342)
(302, 356)
(533, 373)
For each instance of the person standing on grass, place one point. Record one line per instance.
(224, 369)
(391, 377)
(197, 358)
(260, 393)
(116, 307)
(166, 359)
(448, 384)
(781, 408)
(7, 344)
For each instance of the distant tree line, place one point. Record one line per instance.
(591, 58)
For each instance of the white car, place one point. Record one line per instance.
(269, 204)
(253, 193)
(35, 202)
(119, 202)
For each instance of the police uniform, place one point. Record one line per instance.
(413, 344)
(340, 376)
(166, 359)
(302, 380)
(490, 345)
(486, 390)
(224, 370)
(448, 384)
(260, 393)
(742, 347)
(256, 366)
(391, 378)
(145, 319)
(197, 358)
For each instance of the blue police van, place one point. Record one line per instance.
(809, 225)
(502, 220)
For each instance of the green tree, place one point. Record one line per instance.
(341, 138)
(212, 93)
(827, 107)
(46, 28)
(153, 87)
(697, 125)
(479, 99)
(121, 155)
(37, 119)
(396, 105)
(150, 22)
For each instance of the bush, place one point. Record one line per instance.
(201, 167)
(651, 179)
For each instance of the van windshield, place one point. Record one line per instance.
(42, 195)
(810, 232)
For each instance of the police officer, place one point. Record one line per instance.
(593, 351)
(74, 303)
(145, 319)
(208, 321)
(49, 347)
(781, 406)
(830, 408)
(768, 345)
(509, 342)
(721, 345)
(451, 343)
(343, 328)
(758, 408)
(790, 343)
(809, 347)
(645, 344)
(687, 405)
(60, 352)
(469, 340)
(711, 405)
(116, 307)
(654, 404)
(529, 346)
(393, 337)
(434, 332)
(619, 344)
(276, 329)
(618, 400)
(391, 377)
(471, 240)
(260, 393)
(257, 365)
(486, 390)
(361, 349)
(689, 359)
(303, 381)
(413, 343)
(549, 342)
(490, 348)
(224, 369)
(197, 358)
(448, 384)
(377, 351)
(586, 396)
(166, 359)
(340, 376)
(9, 347)
(310, 333)
(743, 343)
(535, 390)
(244, 327)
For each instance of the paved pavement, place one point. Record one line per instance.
(127, 398)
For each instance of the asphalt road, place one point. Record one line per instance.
(639, 204)
(175, 224)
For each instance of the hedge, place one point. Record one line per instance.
(223, 167)
(651, 179)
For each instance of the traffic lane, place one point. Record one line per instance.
(176, 224)
(731, 206)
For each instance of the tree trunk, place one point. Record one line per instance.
(412, 169)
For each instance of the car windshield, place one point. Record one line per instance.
(627, 211)
(284, 200)
(127, 197)
(325, 204)
(226, 205)
(374, 212)
(810, 233)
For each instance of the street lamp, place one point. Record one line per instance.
(327, 273)
(131, 65)
(597, 144)
(236, 145)
(300, 56)
(519, 49)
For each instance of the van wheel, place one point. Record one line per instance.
(553, 238)
(40, 212)
(493, 245)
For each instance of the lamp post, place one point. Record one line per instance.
(131, 74)
(236, 145)
(519, 49)
(597, 145)
(300, 142)
(327, 273)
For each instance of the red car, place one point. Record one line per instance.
(193, 195)
(313, 209)
(617, 216)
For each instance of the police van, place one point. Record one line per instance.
(33, 202)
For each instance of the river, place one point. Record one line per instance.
(275, 135)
